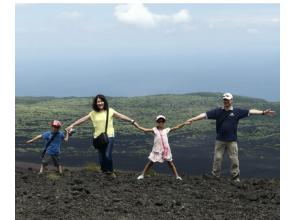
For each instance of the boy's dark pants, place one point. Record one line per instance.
(47, 158)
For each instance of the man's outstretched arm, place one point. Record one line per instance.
(197, 118)
(267, 112)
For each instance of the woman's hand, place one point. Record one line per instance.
(69, 128)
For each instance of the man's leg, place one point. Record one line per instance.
(219, 150)
(233, 154)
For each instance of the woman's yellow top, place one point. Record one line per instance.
(99, 122)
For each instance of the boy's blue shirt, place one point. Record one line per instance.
(54, 147)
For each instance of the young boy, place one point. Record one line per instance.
(53, 140)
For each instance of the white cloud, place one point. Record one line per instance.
(69, 15)
(141, 16)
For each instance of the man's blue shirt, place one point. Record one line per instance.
(227, 130)
(54, 147)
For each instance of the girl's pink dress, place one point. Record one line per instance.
(161, 150)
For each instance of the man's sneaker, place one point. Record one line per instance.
(140, 177)
(237, 180)
(179, 178)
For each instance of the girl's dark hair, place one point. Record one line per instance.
(94, 104)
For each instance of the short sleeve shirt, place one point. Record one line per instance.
(227, 130)
(54, 147)
(99, 121)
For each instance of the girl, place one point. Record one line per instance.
(161, 151)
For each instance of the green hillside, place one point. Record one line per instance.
(32, 114)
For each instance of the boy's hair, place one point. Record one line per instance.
(94, 104)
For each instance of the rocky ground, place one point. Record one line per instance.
(85, 194)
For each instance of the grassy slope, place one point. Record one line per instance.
(34, 113)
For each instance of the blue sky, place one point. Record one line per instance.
(134, 50)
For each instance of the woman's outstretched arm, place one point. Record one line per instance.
(78, 122)
(123, 117)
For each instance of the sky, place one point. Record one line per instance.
(144, 49)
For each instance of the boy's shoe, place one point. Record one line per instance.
(140, 177)
(179, 178)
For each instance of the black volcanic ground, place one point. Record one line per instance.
(81, 194)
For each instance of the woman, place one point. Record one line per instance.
(98, 118)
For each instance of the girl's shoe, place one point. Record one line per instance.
(179, 178)
(140, 177)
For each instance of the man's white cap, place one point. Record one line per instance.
(228, 96)
(160, 116)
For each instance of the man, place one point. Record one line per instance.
(227, 119)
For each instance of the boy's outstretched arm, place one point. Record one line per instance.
(35, 138)
(142, 129)
(180, 126)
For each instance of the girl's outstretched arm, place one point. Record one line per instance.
(143, 129)
(180, 125)
(35, 138)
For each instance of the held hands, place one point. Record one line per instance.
(188, 122)
(69, 128)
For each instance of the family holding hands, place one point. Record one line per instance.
(226, 118)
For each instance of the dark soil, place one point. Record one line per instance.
(81, 194)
